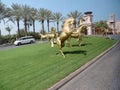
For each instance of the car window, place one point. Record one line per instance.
(20, 39)
(28, 37)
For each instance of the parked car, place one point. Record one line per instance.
(24, 40)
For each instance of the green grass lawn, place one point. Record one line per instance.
(38, 66)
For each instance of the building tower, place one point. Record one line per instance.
(88, 21)
(111, 22)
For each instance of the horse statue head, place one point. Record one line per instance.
(82, 28)
(68, 24)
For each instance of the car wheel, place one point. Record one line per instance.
(31, 42)
(19, 44)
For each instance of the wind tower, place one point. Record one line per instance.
(88, 21)
(111, 22)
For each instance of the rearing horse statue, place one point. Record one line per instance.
(50, 36)
(65, 34)
(107, 32)
(78, 33)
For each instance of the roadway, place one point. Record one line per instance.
(104, 74)
(11, 46)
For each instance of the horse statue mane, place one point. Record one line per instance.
(68, 24)
(65, 34)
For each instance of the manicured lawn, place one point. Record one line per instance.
(38, 66)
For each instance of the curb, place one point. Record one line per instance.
(4, 45)
(78, 71)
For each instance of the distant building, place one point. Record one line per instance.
(113, 24)
(117, 26)
(88, 21)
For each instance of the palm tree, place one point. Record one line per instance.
(2, 11)
(48, 17)
(41, 17)
(26, 13)
(8, 29)
(76, 15)
(2, 15)
(101, 24)
(16, 14)
(33, 17)
(57, 17)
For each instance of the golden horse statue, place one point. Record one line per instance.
(78, 33)
(67, 30)
(50, 36)
(107, 32)
(42, 36)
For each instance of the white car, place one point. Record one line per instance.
(24, 40)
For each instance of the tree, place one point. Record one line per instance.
(42, 16)
(2, 11)
(26, 13)
(76, 15)
(57, 17)
(48, 17)
(33, 17)
(100, 26)
(16, 15)
(8, 29)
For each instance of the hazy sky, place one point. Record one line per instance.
(101, 8)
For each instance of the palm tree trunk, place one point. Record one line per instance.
(48, 25)
(34, 27)
(58, 27)
(25, 23)
(43, 26)
(18, 25)
(75, 24)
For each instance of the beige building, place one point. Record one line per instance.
(114, 24)
(88, 21)
(117, 26)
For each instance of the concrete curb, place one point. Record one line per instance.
(4, 45)
(78, 71)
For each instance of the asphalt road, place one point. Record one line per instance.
(7, 46)
(102, 75)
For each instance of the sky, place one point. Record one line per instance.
(101, 8)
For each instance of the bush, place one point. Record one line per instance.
(8, 39)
